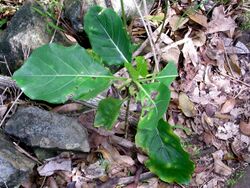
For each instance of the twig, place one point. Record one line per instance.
(148, 31)
(128, 180)
(126, 118)
(122, 142)
(234, 79)
(57, 21)
(13, 104)
(26, 153)
(7, 66)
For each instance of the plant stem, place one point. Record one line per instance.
(126, 118)
(123, 15)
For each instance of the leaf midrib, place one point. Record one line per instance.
(116, 47)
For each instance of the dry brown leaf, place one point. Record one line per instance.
(227, 130)
(198, 18)
(228, 106)
(199, 38)
(220, 22)
(190, 52)
(68, 108)
(94, 171)
(219, 166)
(141, 158)
(117, 162)
(171, 54)
(245, 128)
(52, 183)
(70, 38)
(176, 22)
(186, 106)
(54, 165)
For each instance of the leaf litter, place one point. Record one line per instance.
(212, 100)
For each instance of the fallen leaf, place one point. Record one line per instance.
(52, 183)
(220, 22)
(190, 52)
(186, 106)
(198, 18)
(176, 22)
(171, 54)
(227, 130)
(54, 165)
(94, 171)
(245, 128)
(219, 166)
(199, 38)
(228, 106)
(117, 162)
(71, 107)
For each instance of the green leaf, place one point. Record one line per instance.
(141, 66)
(167, 159)
(107, 35)
(107, 112)
(2, 22)
(134, 74)
(168, 74)
(55, 74)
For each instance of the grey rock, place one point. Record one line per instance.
(14, 166)
(243, 182)
(74, 9)
(26, 31)
(40, 128)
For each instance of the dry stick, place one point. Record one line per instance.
(26, 153)
(13, 104)
(234, 79)
(128, 180)
(57, 21)
(148, 29)
(7, 66)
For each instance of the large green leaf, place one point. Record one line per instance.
(107, 112)
(55, 74)
(107, 35)
(167, 159)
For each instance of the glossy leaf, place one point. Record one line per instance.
(167, 159)
(55, 74)
(107, 35)
(168, 74)
(107, 112)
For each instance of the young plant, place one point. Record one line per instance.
(55, 74)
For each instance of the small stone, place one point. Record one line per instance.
(41, 128)
(14, 166)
